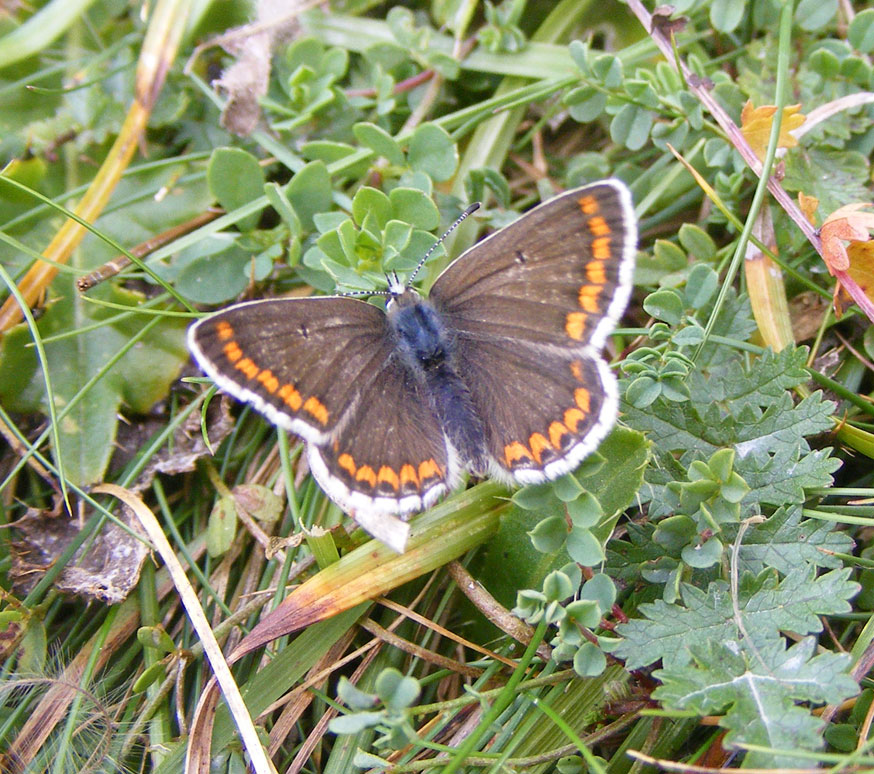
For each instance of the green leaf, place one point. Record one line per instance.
(414, 207)
(585, 103)
(860, 33)
(139, 379)
(372, 202)
(670, 632)
(585, 511)
(310, 192)
(703, 556)
(589, 660)
(216, 269)
(756, 690)
(601, 589)
(379, 141)
(433, 152)
(549, 535)
(725, 15)
(697, 242)
(784, 541)
(664, 305)
(812, 15)
(235, 178)
(584, 547)
(354, 722)
(630, 127)
(221, 527)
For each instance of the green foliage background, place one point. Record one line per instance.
(711, 559)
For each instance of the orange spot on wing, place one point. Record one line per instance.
(575, 325)
(598, 226)
(557, 431)
(270, 382)
(588, 204)
(601, 248)
(316, 409)
(595, 272)
(232, 351)
(428, 469)
(589, 298)
(583, 399)
(538, 444)
(224, 330)
(515, 452)
(366, 473)
(409, 477)
(577, 370)
(248, 368)
(346, 462)
(572, 418)
(387, 475)
(290, 396)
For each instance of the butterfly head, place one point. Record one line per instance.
(399, 294)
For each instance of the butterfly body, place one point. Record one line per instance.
(426, 347)
(497, 372)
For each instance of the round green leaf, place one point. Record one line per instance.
(725, 15)
(813, 14)
(557, 586)
(433, 152)
(697, 242)
(701, 285)
(370, 201)
(589, 660)
(379, 141)
(309, 192)
(235, 179)
(630, 127)
(861, 31)
(585, 511)
(601, 589)
(664, 305)
(549, 534)
(584, 547)
(703, 556)
(414, 207)
(585, 103)
(643, 392)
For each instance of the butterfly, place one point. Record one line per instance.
(497, 372)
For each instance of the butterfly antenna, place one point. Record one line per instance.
(473, 208)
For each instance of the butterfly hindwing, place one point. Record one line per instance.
(391, 455)
(544, 411)
(558, 276)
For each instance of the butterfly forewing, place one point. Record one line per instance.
(301, 362)
(558, 276)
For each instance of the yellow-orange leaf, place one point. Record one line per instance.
(755, 123)
(846, 224)
(860, 270)
(807, 205)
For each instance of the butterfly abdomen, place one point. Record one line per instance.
(427, 350)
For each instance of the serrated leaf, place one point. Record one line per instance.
(756, 689)
(784, 541)
(670, 631)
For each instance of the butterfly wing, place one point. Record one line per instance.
(531, 307)
(544, 412)
(325, 369)
(559, 276)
